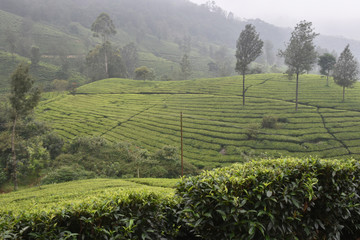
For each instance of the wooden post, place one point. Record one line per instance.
(182, 150)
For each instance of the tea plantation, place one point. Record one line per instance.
(57, 196)
(287, 198)
(216, 124)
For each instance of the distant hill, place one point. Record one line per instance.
(162, 30)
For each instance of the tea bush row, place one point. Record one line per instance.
(265, 199)
(275, 199)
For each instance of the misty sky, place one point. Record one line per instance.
(330, 17)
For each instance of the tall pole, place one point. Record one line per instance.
(182, 149)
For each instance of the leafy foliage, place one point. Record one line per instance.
(66, 174)
(35, 55)
(96, 66)
(275, 199)
(143, 213)
(300, 54)
(269, 122)
(346, 70)
(144, 73)
(103, 27)
(23, 100)
(185, 67)
(23, 96)
(248, 48)
(326, 63)
(266, 199)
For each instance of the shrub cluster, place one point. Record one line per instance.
(66, 174)
(269, 122)
(128, 216)
(267, 199)
(275, 199)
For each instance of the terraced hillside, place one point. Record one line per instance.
(47, 37)
(215, 122)
(43, 74)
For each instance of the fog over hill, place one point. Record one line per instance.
(160, 28)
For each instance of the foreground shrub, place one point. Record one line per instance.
(275, 199)
(132, 216)
(268, 199)
(66, 174)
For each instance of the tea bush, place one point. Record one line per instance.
(285, 198)
(66, 174)
(131, 216)
(269, 122)
(275, 199)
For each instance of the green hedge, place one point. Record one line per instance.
(133, 216)
(275, 199)
(267, 199)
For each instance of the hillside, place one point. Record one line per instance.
(44, 73)
(161, 30)
(51, 39)
(215, 122)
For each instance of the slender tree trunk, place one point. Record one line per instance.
(14, 161)
(343, 94)
(106, 63)
(243, 88)
(297, 91)
(138, 172)
(327, 79)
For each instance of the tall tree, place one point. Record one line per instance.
(23, 99)
(130, 56)
(11, 41)
(346, 70)
(248, 48)
(300, 54)
(104, 27)
(185, 67)
(326, 63)
(96, 67)
(269, 52)
(35, 55)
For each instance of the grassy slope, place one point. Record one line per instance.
(46, 37)
(215, 122)
(161, 55)
(43, 74)
(57, 195)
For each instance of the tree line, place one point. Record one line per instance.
(300, 57)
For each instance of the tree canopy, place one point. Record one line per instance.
(104, 27)
(346, 70)
(326, 63)
(185, 67)
(23, 99)
(248, 48)
(300, 54)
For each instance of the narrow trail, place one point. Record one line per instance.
(332, 134)
(129, 119)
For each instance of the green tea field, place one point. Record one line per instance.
(216, 124)
(58, 195)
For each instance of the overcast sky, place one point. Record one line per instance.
(329, 17)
